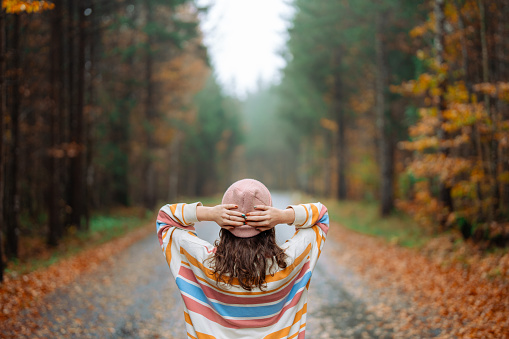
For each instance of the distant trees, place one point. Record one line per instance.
(419, 87)
(102, 102)
(342, 58)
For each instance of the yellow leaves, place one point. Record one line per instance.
(459, 115)
(456, 141)
(477, 175)
(415, 87)
(504, 177)
(463, 189)
(423, 83)
(421, 55)
(486, 88)
(458, 93)
(329, 124)
(420, 144)
(498, 90)
(441, 166)
(19, 6)
(419, 31)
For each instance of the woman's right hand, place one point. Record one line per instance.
(223, 215)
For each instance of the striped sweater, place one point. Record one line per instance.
(212, 311)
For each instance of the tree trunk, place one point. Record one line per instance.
(463, 42)
(3, 115)
(444, 190)
(174, 162)
(148, 175)
(385, 150)
(94, 38)
(53, 191)
(121, 133)
(11, 207)
(73, 186)
(502, 106)
(76, 161)
(339, 117)
(493, 145)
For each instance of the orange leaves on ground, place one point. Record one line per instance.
(461, 298)
(18, 6)
(23, 293)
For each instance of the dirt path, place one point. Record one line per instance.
(132, 295)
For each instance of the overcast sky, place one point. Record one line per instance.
(244, 38)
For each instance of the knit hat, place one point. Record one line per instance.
(246, 194)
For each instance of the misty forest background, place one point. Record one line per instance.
(114, 103)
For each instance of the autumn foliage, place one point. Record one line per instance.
(459, 144)
(18, 6)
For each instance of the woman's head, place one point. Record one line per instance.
(244, 252)
(247, 193)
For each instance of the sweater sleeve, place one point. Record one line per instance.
(310, 215)
(175, 228)
(311, 227)
(176, 215)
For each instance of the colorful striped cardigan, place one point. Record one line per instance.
(212, 311)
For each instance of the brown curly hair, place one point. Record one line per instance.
(246, 259)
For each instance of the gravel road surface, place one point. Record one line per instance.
(133, 295)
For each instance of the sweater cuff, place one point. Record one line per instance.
(300, 215)
(190, 212)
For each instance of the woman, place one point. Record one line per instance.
(246, 286)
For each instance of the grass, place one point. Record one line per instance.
(110, 226)
(364, 217)
(104, 226)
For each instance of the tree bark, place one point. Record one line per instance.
(121, 132)
(11, 207)
(3, 114)
(502, 106)
(53, 191)
(463, 42)
(94, 37)
(148, 175)
(76, 161)
(386, 155)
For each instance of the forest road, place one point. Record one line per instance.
(133, 295)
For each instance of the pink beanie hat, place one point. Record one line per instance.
(246, 194)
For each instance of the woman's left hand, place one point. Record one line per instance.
(266, 217)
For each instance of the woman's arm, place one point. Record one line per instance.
(223, 215)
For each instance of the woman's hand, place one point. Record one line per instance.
(266, 217)
(222, 215)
